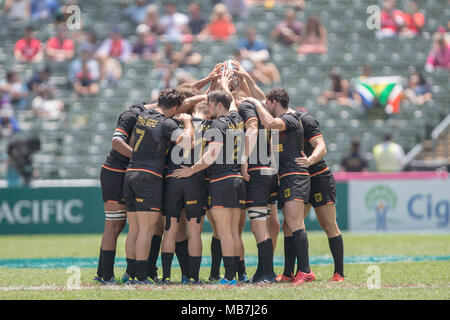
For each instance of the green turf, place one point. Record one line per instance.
(400, 280)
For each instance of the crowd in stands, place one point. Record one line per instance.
(91, 60)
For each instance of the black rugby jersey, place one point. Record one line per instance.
(260, 156)
(178, 156)
(291, 143)
(153, 135)
(227, 130)
(116, 161)
(312, 131)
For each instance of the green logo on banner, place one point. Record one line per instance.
(381, 199)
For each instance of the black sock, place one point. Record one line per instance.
(289, 256)
(230, 267)
(337, 250)
(216, 257)
(141, 270)
(153, 255)
(266, 248)
(241, 268)
(181, 250)
(108, 264)
(166, 260)
(131, 268)
(100, 264)
(259, 270)
(301, 250)
(194, 267)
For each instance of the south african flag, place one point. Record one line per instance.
(384, 91)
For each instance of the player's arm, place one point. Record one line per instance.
(123, 133)
(251, 138)
(186, 138)
(224, 83)
(189, 104)
(267, 120)
(254, 90)
(320, 150)
(211, 154)
(214, 74)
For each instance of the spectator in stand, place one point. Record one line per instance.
(354, 162)
(84, 73)
(60, 48)
(17, 9)
(137, 12)
(115, 47)
(237, 8)
(196, 21)
(152, 19)
(289, 30)
(39, 81)
(391, 20)
(418, 91)
(85, 84)
(44, 106)
(8, 123)
(439, 57)
(388, 155)
(255, 53)
(13, 92)
(44, 9)
(314, 37)
(413, 20)
(220, 27)
(145, 46)
(29, 48)
(90, 39)
(340, 91)
(173, 25)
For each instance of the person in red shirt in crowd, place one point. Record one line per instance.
(85, 84)
(221, 27)
(439, 57)
(60, 48)
(414, 21)
(391, 20)
(29, 48)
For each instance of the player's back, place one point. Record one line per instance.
(151, 142)
(227, 130)
(291, 143)
(260, 156)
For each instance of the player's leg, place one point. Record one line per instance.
(168, 245)
(273, 224)
(216, 250)
(147, 221)
(155, 248)
(223, 219)
(181, 247)
(294, 212)
(240, 258)
(195, 226)
(130, 246)
(326, 215)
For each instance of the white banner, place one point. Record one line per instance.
(399, 205)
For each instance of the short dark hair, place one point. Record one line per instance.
(279, 95)
(169, 98)
(221, 96)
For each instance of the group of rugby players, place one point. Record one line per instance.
(221, 152)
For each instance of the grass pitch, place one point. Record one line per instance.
(421, 271)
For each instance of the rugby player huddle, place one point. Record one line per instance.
(223, 152)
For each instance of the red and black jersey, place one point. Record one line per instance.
(153, 134)
(178, 156)
(312, 131)
(115, 161)
(291, 143)
(227, 130)
(260, 156)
